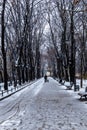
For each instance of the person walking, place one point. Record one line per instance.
(45, 78)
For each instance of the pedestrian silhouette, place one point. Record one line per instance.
(45, 78)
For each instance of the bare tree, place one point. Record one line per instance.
(3, 45)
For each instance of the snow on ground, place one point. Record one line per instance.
(43, 106)
(12, 89)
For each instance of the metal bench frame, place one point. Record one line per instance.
(83, 95)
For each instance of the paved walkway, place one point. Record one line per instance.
(48, 107)
(56, 109)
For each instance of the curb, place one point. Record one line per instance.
(15, 91)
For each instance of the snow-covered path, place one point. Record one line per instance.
(43, 106)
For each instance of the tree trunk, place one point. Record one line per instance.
(3, 46)
(72, 64)
(73, 51)
(23, 75)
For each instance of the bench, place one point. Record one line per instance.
(63, 82)
(83, 94)
(69, 85)
(60, 81)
